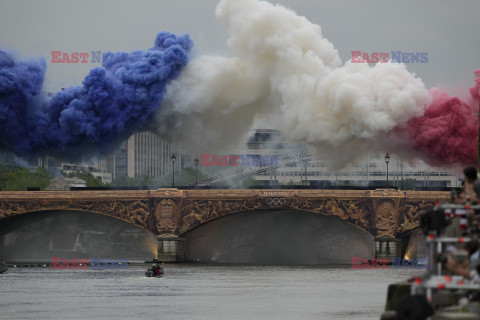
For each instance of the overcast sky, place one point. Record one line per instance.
(447, 29)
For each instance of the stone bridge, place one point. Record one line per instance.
(173, 212)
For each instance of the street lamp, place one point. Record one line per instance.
(387, 160)
(196, 166)
(173, 169)
(304, 169)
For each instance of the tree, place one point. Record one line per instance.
(182, 178)
(251, 182)
(3, 172)
(124, 181)
(409, 184)
(90, 179)
(345, 183)
(289, 183)
(20, 179)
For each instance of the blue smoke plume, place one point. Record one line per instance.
(114, 101)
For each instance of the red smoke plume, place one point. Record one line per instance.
(475, 90)
(448, 132)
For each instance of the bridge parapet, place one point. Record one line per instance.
(172, 212)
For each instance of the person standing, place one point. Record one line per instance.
(3, 266)
(472, 184)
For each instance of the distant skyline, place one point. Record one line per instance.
(446, 30)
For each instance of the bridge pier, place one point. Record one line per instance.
(170, 249)
(388, 248)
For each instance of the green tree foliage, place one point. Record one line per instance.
(125, 181)
(88, 177)
(19, 179)
(3, 172)
(345, 183)
(182, 178)
(289, 183)
(409, 184)
(251, 182)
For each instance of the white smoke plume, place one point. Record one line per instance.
(287, 76)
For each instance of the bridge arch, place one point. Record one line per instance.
(40, 235)
(284, 237)
(358, 213)
(73, 210)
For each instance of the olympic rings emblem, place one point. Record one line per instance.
(276, 202)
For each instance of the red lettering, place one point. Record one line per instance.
(215, 161)
(84, 263)
(375, 57)
(366, 263)
(65, 264)
(73, 264)
(205, 160)
(357, 263)
(233, 160)
(75, 57)
(384, 263)
(56, 59)
(65, 58)
(84, 55)
(224, 161)
(374, 264)
(356, 57)
(384, 56)
(365, 57)
(55, 261)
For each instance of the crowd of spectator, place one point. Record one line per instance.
(466, 261)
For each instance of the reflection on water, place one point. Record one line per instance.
(197, 292)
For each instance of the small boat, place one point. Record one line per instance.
(3, 268)
(155, 272)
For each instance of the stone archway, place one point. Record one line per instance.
(37, 237)
(278, 237)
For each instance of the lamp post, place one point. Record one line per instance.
(173, 169)
(304, 169)
(387, 160)
(196, 166)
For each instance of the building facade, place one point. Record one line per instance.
(144, 154)
(96, 168)
(298, 166)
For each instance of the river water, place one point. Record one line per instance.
(194, 291)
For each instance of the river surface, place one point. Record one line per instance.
(193, 291)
